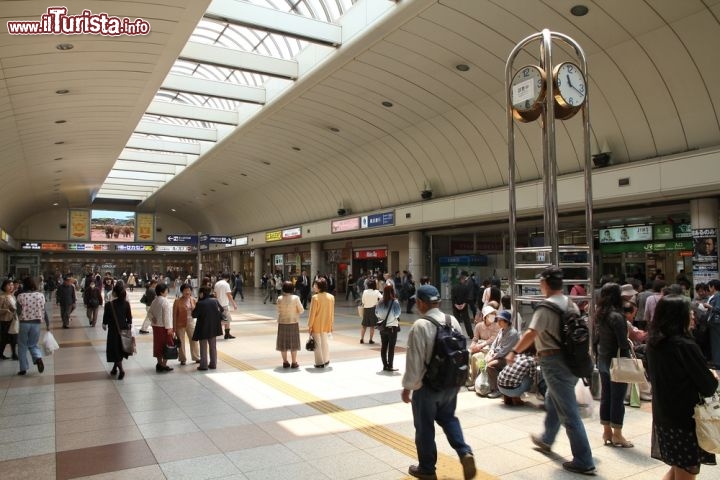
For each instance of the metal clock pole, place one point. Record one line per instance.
(546, 100)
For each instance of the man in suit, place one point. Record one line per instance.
(303, 286)
(461, 298)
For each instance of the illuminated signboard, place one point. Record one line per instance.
(345, 225)
(378, 220)
(218, 239)
(626, 234)
(30, 246)
(240, 241)
(87, 247)
(374, 253)
(134, 247)
(173, 248)
(273, 236)
(290, 233)
(55, 247)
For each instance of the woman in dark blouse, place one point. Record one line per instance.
(679, 376)
(613, 336)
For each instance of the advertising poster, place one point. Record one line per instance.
(79, 225)
(705, 257)
(145, 231)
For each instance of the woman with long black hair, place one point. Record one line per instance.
(117, 316)
(388, 312)
(679, 376)
(613, 336)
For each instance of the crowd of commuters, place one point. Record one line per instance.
(677, 339)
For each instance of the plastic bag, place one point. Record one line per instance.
(482, 384)
(49, 344)
(584, 399)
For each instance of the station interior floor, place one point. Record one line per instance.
(252, 419)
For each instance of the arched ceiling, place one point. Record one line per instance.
(653, 87)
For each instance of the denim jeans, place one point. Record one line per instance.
(519, 390)
(428, 407)
(612, 408)
(28, 338)
(562, 408)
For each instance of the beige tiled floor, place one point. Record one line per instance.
(252, 419)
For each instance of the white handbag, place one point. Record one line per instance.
(627, 370)
(707, 424)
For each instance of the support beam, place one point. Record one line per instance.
(238, 60)
(178, 131)
(138, 176)
(178, 110)
(130, 166)
(212, 88)
(148, 157)
(275, 21)
(163, 145)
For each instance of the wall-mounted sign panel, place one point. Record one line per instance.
(345, 225)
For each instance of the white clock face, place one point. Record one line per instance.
(527, 88)
(570, 83)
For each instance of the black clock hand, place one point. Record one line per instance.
(571, 85)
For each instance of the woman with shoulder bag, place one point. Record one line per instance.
(118, 316)
(613, 336)
(388, 313)
(370, 298)
(162, 327)
(8, 313)
(184, 323)
(679, 377)
(32, 313)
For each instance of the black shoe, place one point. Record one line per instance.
(327, 363)
(201, 368)
(40, 365)
(158, 367)
(167, 369)
(286, 364)
(391, 369)
(113, 371)
(122, 375)
(212, 367)
(468, 464)
(571, 467)
(371, 341)
(144, 332)
(320, 366)
(22, 372)
(414, 471)
(65, 326)
(14, 356)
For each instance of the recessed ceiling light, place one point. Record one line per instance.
(297, 149)
(387, 104)
(62, 91)
(60, 121)
(462, 67)
(579, 10)
(173, 210)
(55, 204)
(59, 142)
(64, 46)
(266, 162)
(334, 129)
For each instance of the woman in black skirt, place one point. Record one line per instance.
(289, 309)
(679, 376)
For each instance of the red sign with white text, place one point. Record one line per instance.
(365, 254)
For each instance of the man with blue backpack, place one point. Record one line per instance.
(435, 367)
(561, 367)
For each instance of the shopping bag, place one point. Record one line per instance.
(707, 424)
(49, 344)
(584, 398)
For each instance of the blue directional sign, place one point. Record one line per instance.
(182, 238)
(219, 239)
(378, 220)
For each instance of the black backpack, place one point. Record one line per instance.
(574, 339)
(448, 366)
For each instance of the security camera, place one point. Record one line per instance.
(341, 212)
(426, 194)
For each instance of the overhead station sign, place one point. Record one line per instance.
(385, 219)
(182, 238)
(134, 247)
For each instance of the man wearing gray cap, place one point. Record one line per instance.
(430, 406)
